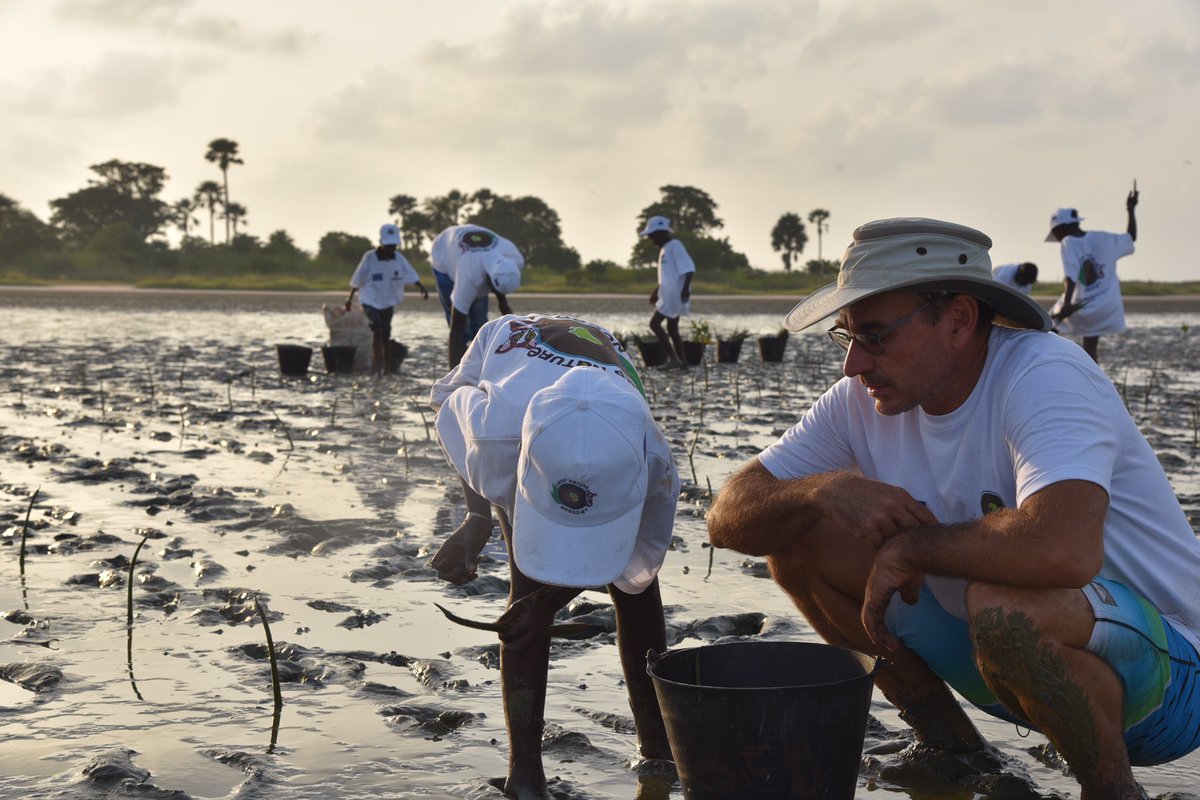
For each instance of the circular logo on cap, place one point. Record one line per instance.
(572, 496)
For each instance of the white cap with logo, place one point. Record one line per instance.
(505, 274)
(582, 479)
(1064, 216)
(389, 234)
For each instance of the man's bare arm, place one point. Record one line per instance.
(1055, 540)
(759, 514)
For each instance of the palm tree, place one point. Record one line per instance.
(788, 236)
(234, 214)
(818, 217)
(181, 213)
(401, 206)
(208, 195)
(224, 152)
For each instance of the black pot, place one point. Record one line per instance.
(728, 352)
(771, 347)
(338, 357)
(693, 353)
(293, 359)
(653, 353)
(399, 352)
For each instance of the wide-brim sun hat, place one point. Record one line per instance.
(582, 479)
(655, 224)
(912, 254)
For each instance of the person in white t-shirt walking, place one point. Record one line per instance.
(379, 280)
(546, 420)
(672, 296)
(973, 502)
(1091, 303)
(469, 261)
(1019, 276)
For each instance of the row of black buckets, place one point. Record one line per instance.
(294, 359)
(770, 348)
(765, 720)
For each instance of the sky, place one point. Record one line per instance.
(983, 112)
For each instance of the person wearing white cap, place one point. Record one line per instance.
(545, 418)
(379, 280)
(973, 502)
(1019, 276)
(1091, 303)
(671, 298)
(469, 261)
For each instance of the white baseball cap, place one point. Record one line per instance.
(389, 234)
(915, 253)
(505, 275)
(1064, 216)
(656, 224)
(581, 479)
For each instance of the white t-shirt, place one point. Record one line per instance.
(1042, 412)
(673, 263)
(1091, 262)
(463, 253)
(380, 284)
(1007, 274)
(481, 404)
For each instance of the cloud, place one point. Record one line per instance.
(174, 20)
(571, 78)
(119, 85)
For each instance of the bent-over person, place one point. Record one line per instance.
(545, 419)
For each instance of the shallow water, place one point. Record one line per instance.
(163, 414)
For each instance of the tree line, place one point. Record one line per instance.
(115, 229)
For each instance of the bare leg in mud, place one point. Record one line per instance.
(641, 627)
(525, 659)
(826, 578)
(1030, 646)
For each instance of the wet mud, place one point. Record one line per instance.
(165, 420)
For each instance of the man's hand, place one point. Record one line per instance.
(870, 509)
(889, 575)
(654, 296)
(457, 560)
(1132, 200)
(685, 294)
(424, 292)
(528, 619)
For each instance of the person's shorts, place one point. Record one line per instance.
(379, 319)
(1158, 668)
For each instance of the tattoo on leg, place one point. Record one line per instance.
(1015, 662)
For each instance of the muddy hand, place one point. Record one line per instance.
(457, 560)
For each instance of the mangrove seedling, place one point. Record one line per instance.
(129, 618)
(286, 432)
(262, 614)
(24, 532)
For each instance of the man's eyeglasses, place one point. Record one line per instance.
(871, 342)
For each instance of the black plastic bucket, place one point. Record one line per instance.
(293, 359)
(338, 357)
(653, 353)
(765, 719)
(771, 347)
(399, 352)
(693, 353)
